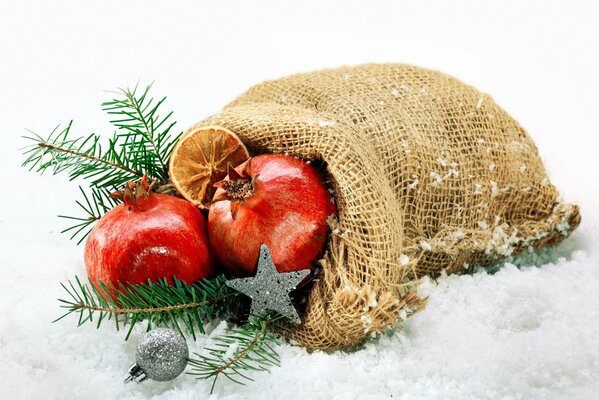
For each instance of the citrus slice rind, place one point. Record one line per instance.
(200, 159)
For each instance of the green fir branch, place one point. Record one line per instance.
(137, 117)
(237, 353)
(141, 145)
(157, 304)
(94, 205)
(81, 157)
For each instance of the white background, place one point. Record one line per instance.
(539, 60)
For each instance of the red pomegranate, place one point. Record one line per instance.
(149, 236)
(270, 199)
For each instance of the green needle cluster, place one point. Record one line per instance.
(179, 305)
(141, 143)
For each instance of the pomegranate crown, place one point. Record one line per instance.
(137, 193)
(237, 186)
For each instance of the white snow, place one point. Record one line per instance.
(414, 183)
(425, 245)
(231, 350)
(494, 189)
(479, 103)
(325, 123)
(452, 172)
(437, 178)
(478, 188)
(527, 332)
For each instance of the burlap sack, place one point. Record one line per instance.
(428, 173)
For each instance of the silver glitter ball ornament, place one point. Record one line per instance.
(161, 355)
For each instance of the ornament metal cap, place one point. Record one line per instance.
(136, 374)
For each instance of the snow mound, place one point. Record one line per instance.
(527, 329)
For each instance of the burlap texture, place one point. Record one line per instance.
(428, 174)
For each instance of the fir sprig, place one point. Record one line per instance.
(82, 157)
(95, 204)
(178, 306)
(141, 144)
(237, 353)
(157, 304)
(142, 128)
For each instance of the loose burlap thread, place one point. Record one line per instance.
(429, 174)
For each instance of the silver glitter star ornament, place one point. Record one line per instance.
(161, 355)
(270, 289)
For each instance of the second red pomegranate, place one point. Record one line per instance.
(270, 199)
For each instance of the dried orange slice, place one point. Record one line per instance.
(200, 159)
